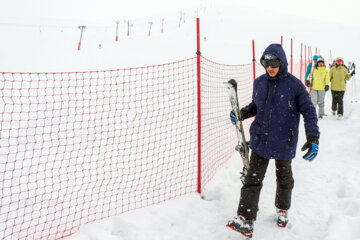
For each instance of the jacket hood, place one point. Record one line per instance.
(278, 51)
(339, 58)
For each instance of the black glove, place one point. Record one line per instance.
(244, 114)
(307, 83)
(352, 73)
(311, 144)
(326, 88)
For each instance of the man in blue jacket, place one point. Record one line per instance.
(278, 100)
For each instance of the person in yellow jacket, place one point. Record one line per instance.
(319, 85)
(338, 77)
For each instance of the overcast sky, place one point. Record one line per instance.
(339, 11)
(344, 11)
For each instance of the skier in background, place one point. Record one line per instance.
(320, 85)
(338, 77)
(277, 101)
(308, 69)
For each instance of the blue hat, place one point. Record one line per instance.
(315, 57)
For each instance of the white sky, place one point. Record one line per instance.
(345, 11)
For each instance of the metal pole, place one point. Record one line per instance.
(81, 33)
(151, 23)
(331, 57)
(117, 30)
(128, 33)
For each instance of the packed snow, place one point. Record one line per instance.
(326, 196)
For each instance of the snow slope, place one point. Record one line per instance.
(326, 197)
(325, 200)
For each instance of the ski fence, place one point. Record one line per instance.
(78, 147)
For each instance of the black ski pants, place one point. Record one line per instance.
(337, 101)
(250, 192)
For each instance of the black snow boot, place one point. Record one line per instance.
(241, 225)
(281, 217)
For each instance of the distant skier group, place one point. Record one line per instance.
(318, 79)
(278, 100)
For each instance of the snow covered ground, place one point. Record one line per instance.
(326, 197)
(325, 202)
(325, 206)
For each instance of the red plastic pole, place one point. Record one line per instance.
(253, 48)
(281, 40)
(291, 56)
(301, 61)
(316, 51)
(305, 62)
(198, 53)
(79, 46)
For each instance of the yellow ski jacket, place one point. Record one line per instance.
(338, 77)
(321, 78)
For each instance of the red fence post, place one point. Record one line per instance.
(198, 53)
(253, 48)
(301, 61)
(305, 59)
(291, 71)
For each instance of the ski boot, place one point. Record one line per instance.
(281, 217)
(241, 225)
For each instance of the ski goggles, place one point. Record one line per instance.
(270, 60)
(340, 61)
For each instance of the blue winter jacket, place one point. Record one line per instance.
(309, 66)
(277, 103)
(308, 70)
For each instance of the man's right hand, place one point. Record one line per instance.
(232, 118)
